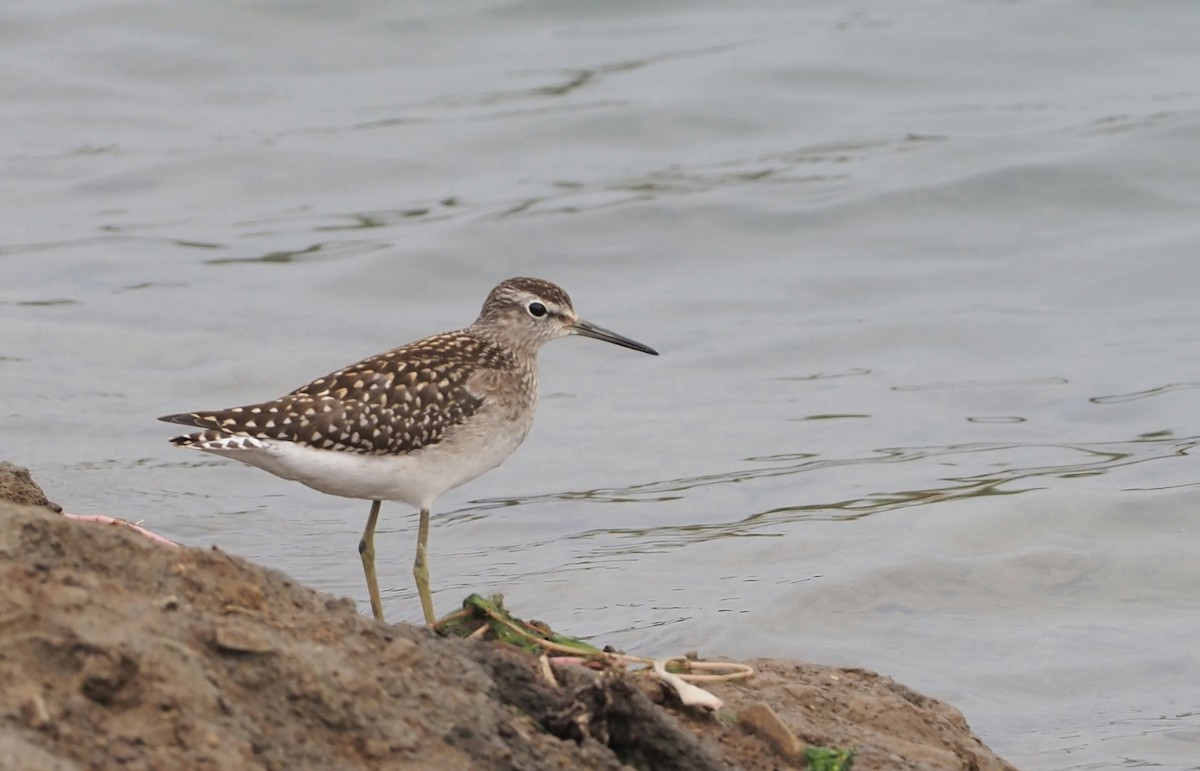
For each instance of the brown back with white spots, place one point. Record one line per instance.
(392, 403)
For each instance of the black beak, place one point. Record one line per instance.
(586, 329)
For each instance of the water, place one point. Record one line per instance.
(924, 278)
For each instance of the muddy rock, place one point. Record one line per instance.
(118, 652)
(17, 486)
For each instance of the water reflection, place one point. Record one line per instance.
(150, 285)
(319, 251)
(384, 219)
(1118, 398)
(957, 384)
(851, 372)
(45, 303)
(809, 165)
(834, 416)
(1007, 475)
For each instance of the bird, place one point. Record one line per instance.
(411, 423)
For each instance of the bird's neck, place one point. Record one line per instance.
(523, 350)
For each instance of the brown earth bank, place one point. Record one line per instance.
(120, 653)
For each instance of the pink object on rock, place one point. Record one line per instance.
(103, 520)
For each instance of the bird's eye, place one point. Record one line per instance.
(537, 309)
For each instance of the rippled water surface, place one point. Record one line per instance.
(924, 276)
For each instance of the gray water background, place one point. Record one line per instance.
(924, 277)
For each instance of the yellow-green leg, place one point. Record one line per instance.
(421, 569)
(366, 550)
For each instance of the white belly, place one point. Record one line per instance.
(417, 478)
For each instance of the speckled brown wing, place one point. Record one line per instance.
(392, 403)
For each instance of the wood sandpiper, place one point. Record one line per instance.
(409, 424)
